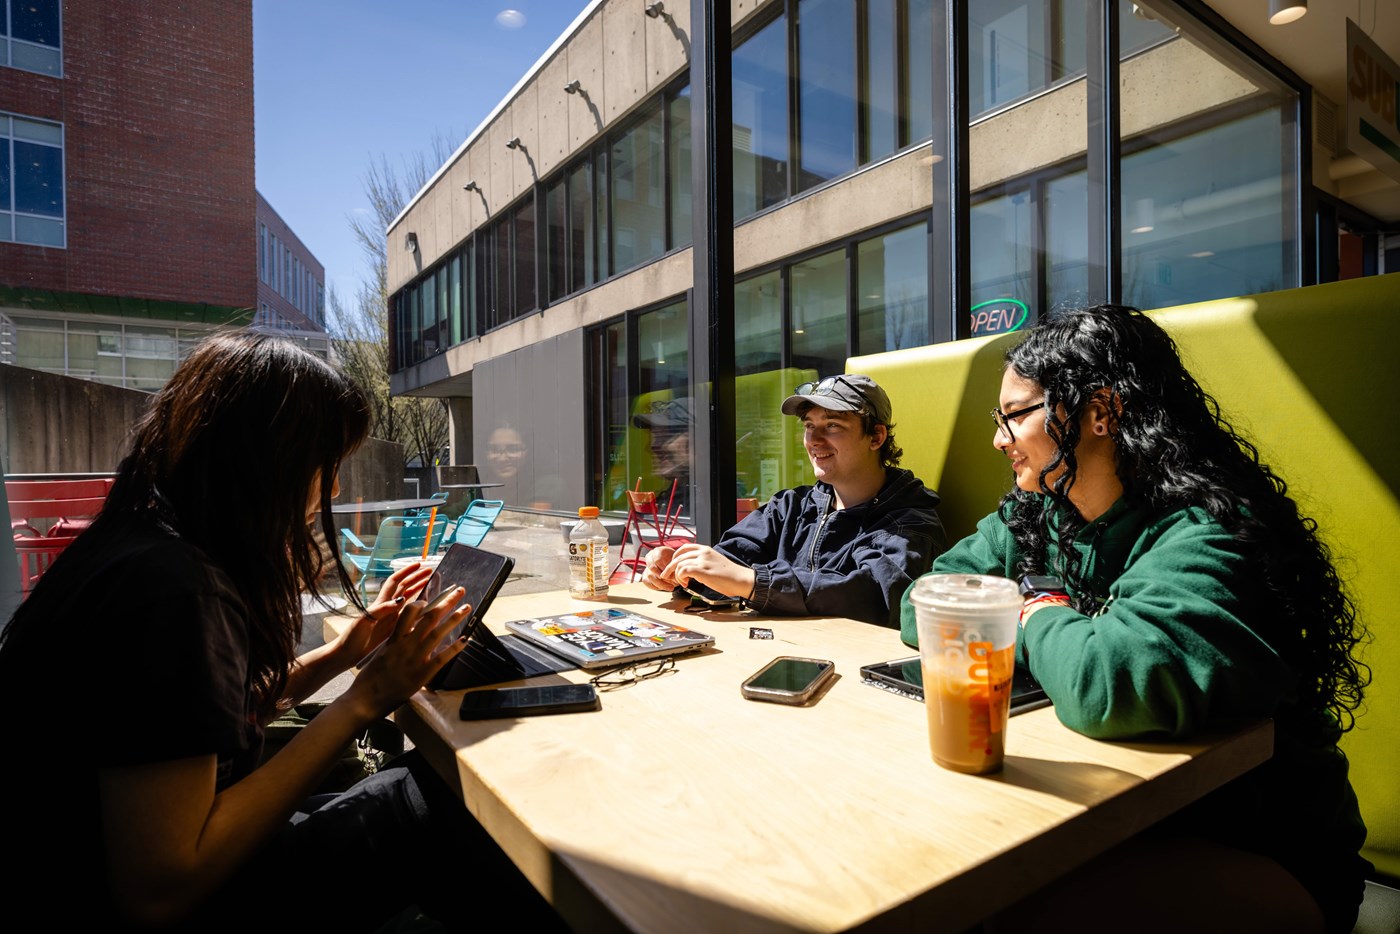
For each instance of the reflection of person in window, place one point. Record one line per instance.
(505, 453)
(669, 422)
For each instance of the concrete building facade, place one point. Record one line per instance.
(540, 281)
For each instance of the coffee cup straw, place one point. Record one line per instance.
(428, 538)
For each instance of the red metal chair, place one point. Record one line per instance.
(653, 527)
(46, 516)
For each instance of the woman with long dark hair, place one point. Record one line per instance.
(141, 670)
(1193, 596)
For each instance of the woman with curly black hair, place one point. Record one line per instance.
(1194, 597)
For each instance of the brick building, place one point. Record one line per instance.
(128, 214)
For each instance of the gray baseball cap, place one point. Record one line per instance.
(665, 413)
(845, 393)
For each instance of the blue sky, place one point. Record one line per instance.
(337, 83)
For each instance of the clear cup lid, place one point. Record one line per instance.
(966, 590)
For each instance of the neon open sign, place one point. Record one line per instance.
(998, 316)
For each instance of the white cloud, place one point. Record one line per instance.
(510, 19)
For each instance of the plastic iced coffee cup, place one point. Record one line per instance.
(967, 644)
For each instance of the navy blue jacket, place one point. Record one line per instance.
(812, 559)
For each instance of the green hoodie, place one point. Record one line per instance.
(1180, 645)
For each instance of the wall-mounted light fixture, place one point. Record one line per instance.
(410, 242)
(572, 87)
(471, 186)
(1286, 11)
(654, 9)
(514, 143)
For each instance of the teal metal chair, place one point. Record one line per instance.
(399, 537)
(473, 525)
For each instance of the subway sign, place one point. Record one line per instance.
(998, 316)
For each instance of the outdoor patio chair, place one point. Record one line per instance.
(45, 517)
(398, 537)
(474, 523)
(653, 527)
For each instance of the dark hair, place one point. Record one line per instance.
(1174, 450)
(890, 453)
(225, 456)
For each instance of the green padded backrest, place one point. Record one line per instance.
(1308, 375)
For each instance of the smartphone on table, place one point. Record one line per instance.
(788, 680)
(500, 703)
(706, 595)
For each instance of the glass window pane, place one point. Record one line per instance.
(613, 477)
(770, 456)
(501, 282)
(524, 255)
(5, 175)
(892, 291)
(760, 119)
(38, 179)
(1003, 262)
(40, 230)
(918, 53)
(37, 131)
(1067, 241)
(606, 266)
(35, 21)
(1208, 176)
(681, 218)
(557, 268)
(454, 287)
(638, 193)
(818, 321)
(582, 252)
(826, 96)
(881, 81)
(663, 401)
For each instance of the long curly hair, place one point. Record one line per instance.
(1174, 450)
(225, 457)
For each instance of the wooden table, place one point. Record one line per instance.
(681, 806)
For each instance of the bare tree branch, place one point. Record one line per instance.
(360, 331)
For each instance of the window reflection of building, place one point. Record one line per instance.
(831, 113)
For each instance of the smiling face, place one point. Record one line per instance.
(1030, 448)
(840, 451)
(505, 452)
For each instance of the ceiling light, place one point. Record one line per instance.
(1286, 11)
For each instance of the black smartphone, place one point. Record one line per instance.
(497, 703)
(906, 676)
(788, 680)
(707, 595)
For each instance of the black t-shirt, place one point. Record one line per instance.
(140, 656)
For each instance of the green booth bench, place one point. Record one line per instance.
(1310, 377)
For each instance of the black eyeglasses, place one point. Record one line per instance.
(1004, 419)
(631, 674)
(827, 387)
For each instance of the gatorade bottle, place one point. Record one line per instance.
(588, 556)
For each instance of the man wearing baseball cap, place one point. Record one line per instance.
(849, 544)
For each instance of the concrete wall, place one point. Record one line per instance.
(532, 397)
(58, 424)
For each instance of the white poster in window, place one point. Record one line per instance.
(1373, 125)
